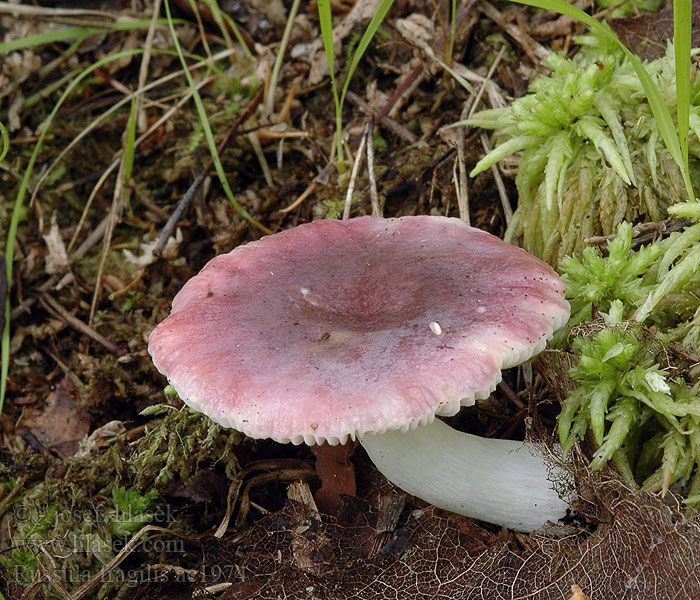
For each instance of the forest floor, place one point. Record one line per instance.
(108, 487)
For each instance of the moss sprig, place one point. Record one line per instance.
(599, 281)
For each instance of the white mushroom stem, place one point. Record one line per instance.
(498, 481)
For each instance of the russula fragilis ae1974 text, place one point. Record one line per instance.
(370, 328)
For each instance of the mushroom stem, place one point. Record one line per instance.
(499, 481)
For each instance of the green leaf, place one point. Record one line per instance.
(682, 24)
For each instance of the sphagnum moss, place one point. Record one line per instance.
(591, 154)
(641, 405)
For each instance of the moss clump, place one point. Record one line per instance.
(641, 404)
(85, 510)
(591, 152)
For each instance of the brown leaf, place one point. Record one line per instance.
(646, 34)
(61, 425)
(646, 550)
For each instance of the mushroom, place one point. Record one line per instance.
(369, 328)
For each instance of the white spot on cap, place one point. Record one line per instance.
(305, 292)
(481, 309)
(435, 328)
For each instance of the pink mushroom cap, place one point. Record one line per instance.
(335, 329)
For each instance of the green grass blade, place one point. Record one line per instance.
(326, 23)
(144, 24)
(222, 19)
(453, 32)
(682, 22)
(664, 120)
(367, 36)
(279, 59)
(5, 141)
(19, 203)
(5, 351)
(324, 15)
(46, 91)
(201, 111)
(40, 39)
(59, 35)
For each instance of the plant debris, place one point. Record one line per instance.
(109, 487)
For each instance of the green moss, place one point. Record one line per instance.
(591, 153)
(89, 512)
(641, 417)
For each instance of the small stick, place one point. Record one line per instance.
(642, 232)
(257, 148)
(40, 11)
(114, 216)
(182, 206)
(304, 195)
(143, 71)
(506, 389)
(50, 573)
(535, 51)
(353, 177)
(55, 308)
(187, 198)
(390, 509)
(396, 128)
(233, 491)
(16, 489)
(128, 286)
(461, 184)
(89, 586)
(376, 209)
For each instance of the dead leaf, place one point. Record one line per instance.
(61, 425)
(170, 252)
(56, 255)
(272, 9)
(646, 34)
(645, 550)
(577, 593)
(417, 29)
(92, 444)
